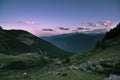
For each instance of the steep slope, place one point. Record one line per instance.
(105, 57)
(16, 42)
(9, 45)
(75, 42)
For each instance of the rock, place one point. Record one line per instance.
(93, 68)
(1, 66)
(74, 67)
(58, 63)
(62, 69)
(99, 67)
(105, 78)
(84, 69)
(113, 77)
(26, 40)
(57, 73)
(25, 73)
(103, 60)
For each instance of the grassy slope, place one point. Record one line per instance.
(5, 59)
(72, 75)
(43, 74)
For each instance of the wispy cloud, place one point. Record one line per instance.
(30, 22)
(90, 23)
(47, 30)
(83, 28)
(97, 31)
(106, 23)
(96, 25)
(75, 30)
(27, 22)
(63, 28)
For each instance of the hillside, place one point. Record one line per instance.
(14, 42)
(75, 42)
(105, 57)
(101, 63)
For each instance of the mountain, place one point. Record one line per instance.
(75, 42)
(96, 31)
(105, 57)
(15, 42)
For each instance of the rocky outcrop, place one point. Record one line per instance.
(113, 77)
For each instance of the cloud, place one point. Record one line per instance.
(106, 23)
(83, 28)
(92, 24)
(63, 28)
(97, 31)
(80, 28)
(96, 25)
(20, 21)
(75, 30)
(47, 30)
(27, 22)
(30, 22)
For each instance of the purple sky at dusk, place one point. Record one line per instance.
(49, 17)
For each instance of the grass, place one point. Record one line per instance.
(5, 59)
(44, 73)
(39, 75)
(110, 53)
(71, 75)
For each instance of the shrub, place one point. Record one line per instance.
(16, 65)
(64, 74)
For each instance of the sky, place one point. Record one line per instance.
(51, 17)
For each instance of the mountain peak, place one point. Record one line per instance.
(113, 32)
(1, 28)
(15, 42)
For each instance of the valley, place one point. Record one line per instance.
(75, 42)
(43, 61)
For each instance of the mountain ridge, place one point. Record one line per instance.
(20, 41)
(75, 42)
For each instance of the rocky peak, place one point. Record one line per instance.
(1, 28)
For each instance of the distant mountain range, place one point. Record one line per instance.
(75, 42)
(15, 42)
